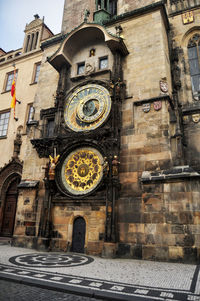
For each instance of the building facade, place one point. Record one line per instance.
(111, 161)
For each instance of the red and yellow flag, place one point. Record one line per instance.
(13, 102)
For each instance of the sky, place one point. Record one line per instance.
(15, 14)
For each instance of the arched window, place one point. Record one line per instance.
(27, 42)
(36, 40)
(32, 38)
(194, 62)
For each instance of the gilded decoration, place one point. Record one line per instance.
(87, 108)
(52, 167)
(82, 170)
(195, 118)
(188, 17)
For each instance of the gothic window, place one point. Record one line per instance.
(194, 63)
(9, 80)
(4, 119)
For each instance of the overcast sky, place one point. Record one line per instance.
(15, 14)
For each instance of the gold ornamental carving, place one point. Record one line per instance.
(82, 170)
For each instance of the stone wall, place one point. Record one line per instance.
(73, 14)
(164, 223)
(63, 217)
(128, 5)
(156, 220)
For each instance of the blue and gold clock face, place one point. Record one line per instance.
(87, 108)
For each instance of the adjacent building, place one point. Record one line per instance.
(103, 154)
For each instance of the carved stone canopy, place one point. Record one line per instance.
(35, 23)
(85, 34)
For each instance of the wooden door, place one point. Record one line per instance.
(78, 240)
(10, 209)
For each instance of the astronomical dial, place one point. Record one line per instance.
(87, 108)
(82, 170)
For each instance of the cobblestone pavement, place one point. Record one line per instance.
(113, 279)
(11, 291)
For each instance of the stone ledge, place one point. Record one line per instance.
(156, 98)
(172, 173)
(191, 109)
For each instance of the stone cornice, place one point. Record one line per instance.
(191, 109)
(177, 172)
(20, 57)
(54, 40)
(152, 99)
(183, 10)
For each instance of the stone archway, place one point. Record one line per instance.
(10, 176)
(78, 238)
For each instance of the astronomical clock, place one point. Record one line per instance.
(81, 169)
(87, 108)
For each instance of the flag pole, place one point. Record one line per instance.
(15, 89)
(13, 92)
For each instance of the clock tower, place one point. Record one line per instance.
(86, 135)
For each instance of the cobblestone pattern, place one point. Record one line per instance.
(12, 291)
(111, 288)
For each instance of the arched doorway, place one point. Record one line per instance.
(78, 238)
(10, 208)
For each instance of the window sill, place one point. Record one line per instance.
(95, 73)
(3, 137)
(32, 122)
(31, 84)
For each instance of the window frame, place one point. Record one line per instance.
(1, 113)
(100, 60)
(79, 65)
(113, 7)
(6, 87)
(29, 113)
(36, 73)
(49, 130)
(194, 62)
